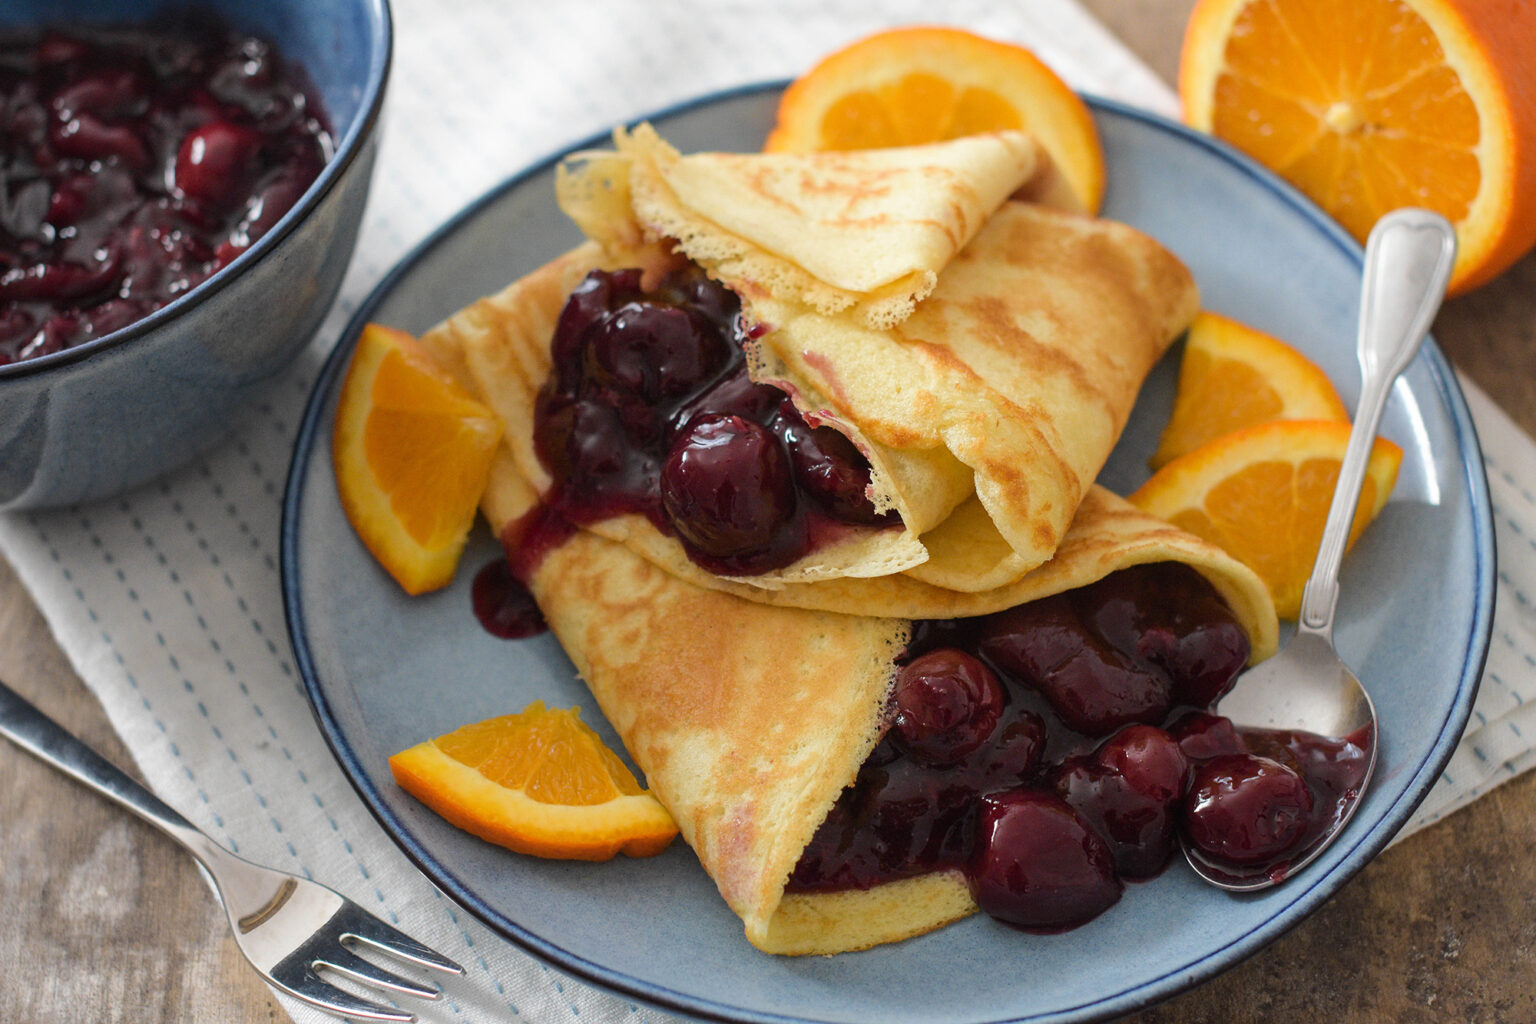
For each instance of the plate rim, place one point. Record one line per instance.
(1366, 845)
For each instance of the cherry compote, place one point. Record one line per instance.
(135, 162)
(1262, 797)
(1056, 750)
(649, 410)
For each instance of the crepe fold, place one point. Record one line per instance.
(750, 709)
(749, 719)
(982, 352)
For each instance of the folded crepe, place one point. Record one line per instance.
(984, 355)
(982, 352)
(749, 719)
(748, 748)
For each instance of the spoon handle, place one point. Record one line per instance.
(1407, 263)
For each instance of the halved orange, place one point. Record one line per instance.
(1371, 105)
(412, 451)
(908, 86)
(1233, 376)
(540, 782)
(1262, 494)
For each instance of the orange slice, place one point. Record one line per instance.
(1370, 105)
(1234, 376)
(539, 782)
(909, 86)
(1262, 494)
(412, 452)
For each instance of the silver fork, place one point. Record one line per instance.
(289, 928)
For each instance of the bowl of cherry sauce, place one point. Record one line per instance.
(180, 193)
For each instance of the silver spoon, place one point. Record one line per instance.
(1307, 686)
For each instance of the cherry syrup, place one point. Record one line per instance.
(649, 410)
(1054, 751)
(503, 604)
(1051, 752)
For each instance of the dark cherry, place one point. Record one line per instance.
(1246, 809)
(588, 303)
(831, 468)
(1128, 791)
(693, 288)
(601, 475)
(114, 314)
(63, 281)
(1171, 619)
(88, 137)
(894, 822)
(114, 93)
(1149, 760)
(137, 161)
(726, 487)
(1038, 865)
(277, 195)
(653, 353)
(947, 704)
(1093, 687)
(735, 394)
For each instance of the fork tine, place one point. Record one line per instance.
(316, 991)
(378, 934)
(355, 967)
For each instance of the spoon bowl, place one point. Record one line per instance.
(1307, 688)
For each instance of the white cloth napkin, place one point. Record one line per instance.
(167, 600)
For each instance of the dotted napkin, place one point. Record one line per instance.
(167, 600)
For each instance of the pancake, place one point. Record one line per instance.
(971, 345)
(985, 364)
(863, 233)
(749, 719)
(983, 415)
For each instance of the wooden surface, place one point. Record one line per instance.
(105, 921)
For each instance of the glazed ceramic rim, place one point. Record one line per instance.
(1362, 844)
(359, 129)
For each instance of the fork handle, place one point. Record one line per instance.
(49, 741)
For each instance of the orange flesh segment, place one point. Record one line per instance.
(1371, 105)
(553, 760)
(412, 453)
(909, 86)
(422, 437)
(1234, 376)
(539, 782)
(1262, 494)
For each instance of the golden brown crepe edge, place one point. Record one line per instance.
(996, 165)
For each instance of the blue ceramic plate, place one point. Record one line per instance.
(385, 672)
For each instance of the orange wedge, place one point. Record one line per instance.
(1262, 494)
(1370, 105)
(909, 86)
(540, 782)
(412, 452)
(1234, 376)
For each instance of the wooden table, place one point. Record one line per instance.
(117, 926)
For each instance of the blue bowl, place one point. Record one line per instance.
(98, 418)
